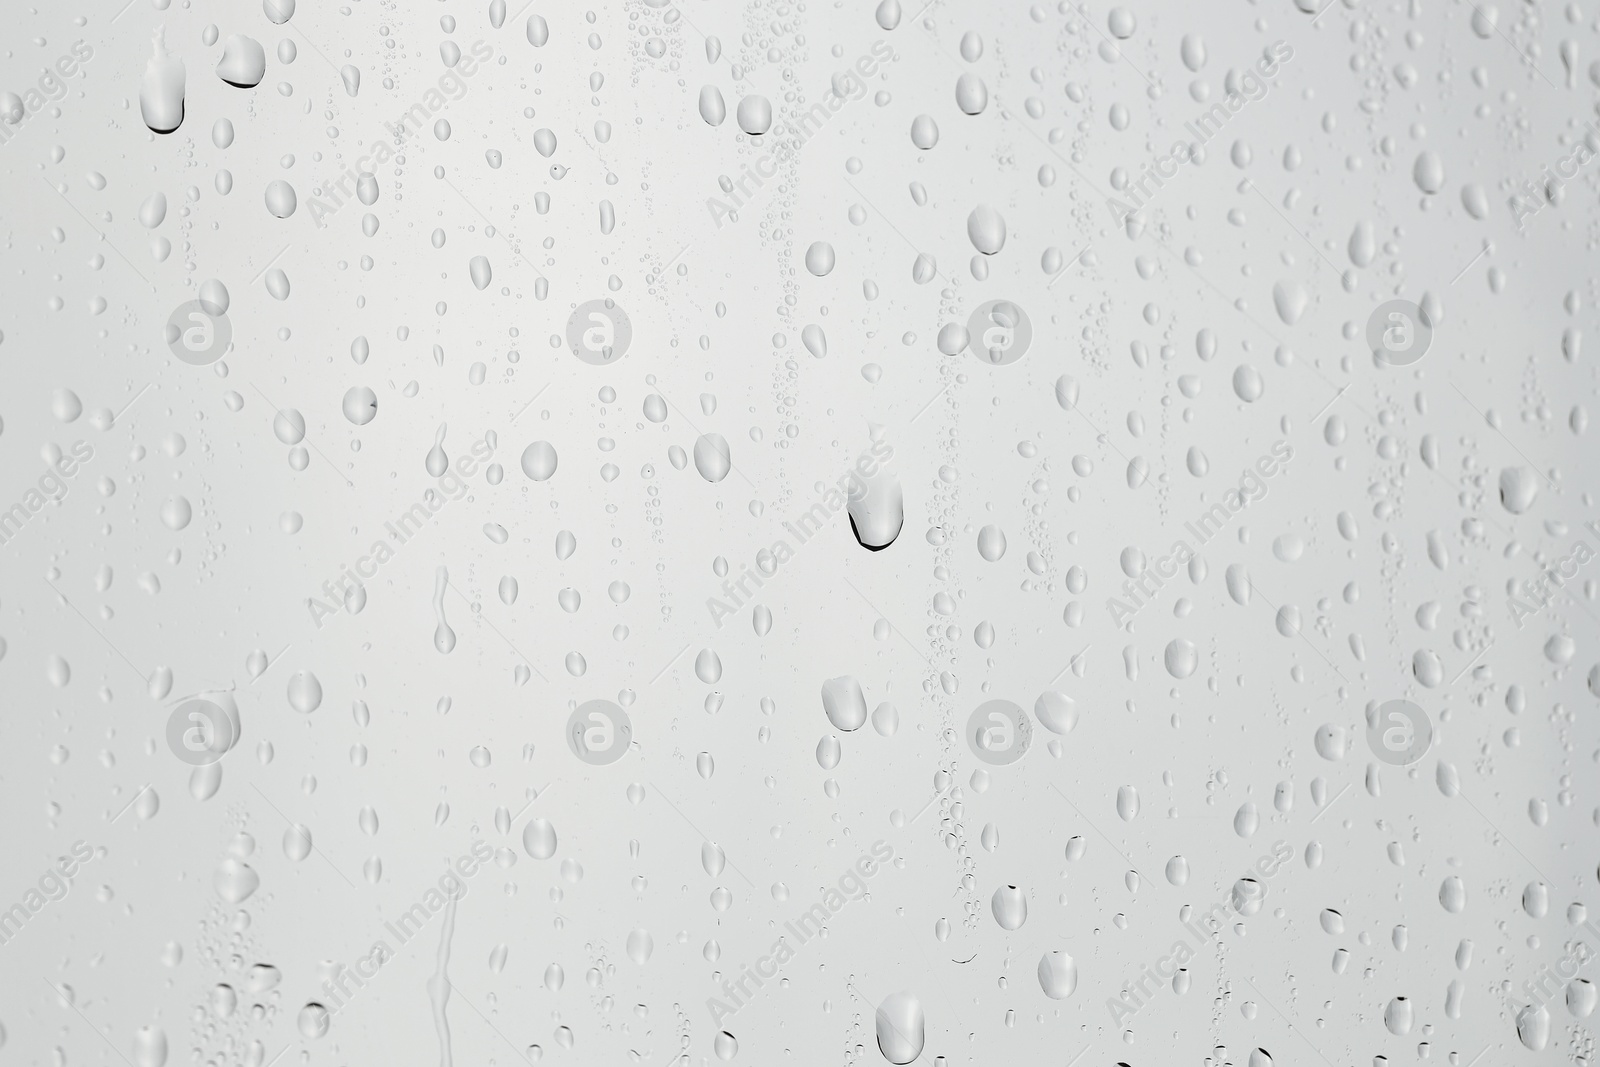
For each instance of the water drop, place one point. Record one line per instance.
(444, 638)
(901, 1027)
(539, 461)
(712, 457)
(244, 62)
(436, 461)
(161, 90)
(539, 839)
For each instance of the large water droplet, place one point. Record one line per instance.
(712, 457)
(360, 405)
(877, 510)
(844, 703)
(1010, 907)
(1056, 711)
(986, 229)
(539, 461)
(1181, 657)
(901, 1028)
(480, 271)
(161, 90)
(444, 638)
(820, 258)
(149, 1047)
(712, 107)
(244, 62)
(708, 666)
(1428, 171)
(234, 881)
(972, 95)
(1533, 1027)
(313, 1020)
(640, 946)
(436, 461)
(1127, 802)
(1058, 975)
(1518, 487)
(305, 692)
(991, 543)
(539, 839)
(297, 842)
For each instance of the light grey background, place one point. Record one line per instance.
(717, 315)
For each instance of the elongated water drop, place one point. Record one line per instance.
(712, 107)
(437, 462)
(844, 703)
(712, 457)
(161, 91)
(754, 115)
(150, 1047)
(901, 1028)
(815, 340)
(444, 638)
(877, 510)
(480, 271)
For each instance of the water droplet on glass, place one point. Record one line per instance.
(436, 461)
(444, 638)
(754, 115)
(539, 839)
(1010, 907)
(844, 703)
(305, 692)
(1058, 975)
(244, 62)
(539, 461)
(901, 1028)
(712, 108)
(712, 457)
(161, 90)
